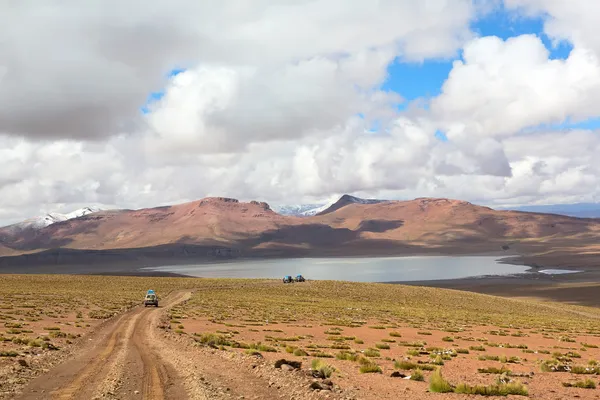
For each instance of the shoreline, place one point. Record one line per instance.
(579, 288)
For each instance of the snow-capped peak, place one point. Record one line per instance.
(81, 212)
(307, 210)
(298, 210)
(52, 218)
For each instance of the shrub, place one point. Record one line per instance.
(322, 369)
(477, 348)
(488, 357)
(447, 339)
(345, 355)
(462, 351)
(340, 346)
(321, 354)
(591, 346)
(503, 389)
(405, 365)
(300, 353)
(382, 346)
(290, 349)
(437, 383)
(52, 328)
(211, 339)
(99, 314)
(586, 384)
(581, 370)
(268, 349)
(359, 341)
(370, 368)
(438, 361)
(417, 375)
(372, 353)
(395, 334)
(494, 370)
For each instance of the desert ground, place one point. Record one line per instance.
(84, 337)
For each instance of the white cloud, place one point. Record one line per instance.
(575, 21)
(501, 87)
(75, 70)
(267, 108)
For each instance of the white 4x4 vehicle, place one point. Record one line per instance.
(151, 299)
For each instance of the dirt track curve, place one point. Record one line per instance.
(121, 359)
(131, 358)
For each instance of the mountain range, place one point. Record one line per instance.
(217, 226)
(580, 210)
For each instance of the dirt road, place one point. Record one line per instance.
(120, 360)
(131, 357)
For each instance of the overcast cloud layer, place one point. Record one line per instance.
(268, 106)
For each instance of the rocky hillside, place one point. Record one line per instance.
(348, 227)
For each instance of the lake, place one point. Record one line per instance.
(367, 269)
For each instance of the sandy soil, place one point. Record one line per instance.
(461, 368)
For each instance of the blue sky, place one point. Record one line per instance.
(418, 80)
(154, 96)
(425, 80)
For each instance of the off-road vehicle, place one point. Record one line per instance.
(151, 299)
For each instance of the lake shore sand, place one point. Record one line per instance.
(582, 288)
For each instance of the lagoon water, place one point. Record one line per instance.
(368, 269)
(558, 271)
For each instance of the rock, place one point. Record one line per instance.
(327, 382)
(136, 392)
(316, 386)
(287, 367)
(283, 361)
(397, 374)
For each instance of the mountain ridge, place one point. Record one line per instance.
(219, 226)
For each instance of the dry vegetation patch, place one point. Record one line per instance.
(368, 336)
(371, 334)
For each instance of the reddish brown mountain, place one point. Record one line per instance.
(348, 227)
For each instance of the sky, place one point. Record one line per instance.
(130, 104)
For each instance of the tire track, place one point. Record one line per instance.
(99, 368)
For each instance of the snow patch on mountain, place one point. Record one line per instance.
(52, 218)
(298, 210)
(308, 210)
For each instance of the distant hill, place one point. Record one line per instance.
(346, 200)
(580, 210)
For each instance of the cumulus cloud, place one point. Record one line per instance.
(75, 70)
(574, 21)
(501, 87)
